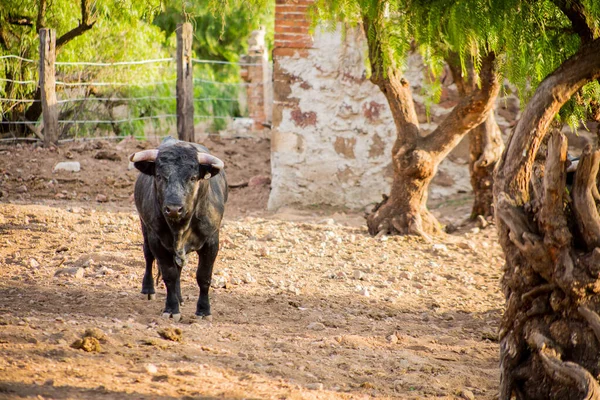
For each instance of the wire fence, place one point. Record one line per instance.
(100, 100)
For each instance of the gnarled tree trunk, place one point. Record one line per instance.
(416, 158)
(485, 143)
(550, 234)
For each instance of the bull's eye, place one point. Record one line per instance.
(193, 178)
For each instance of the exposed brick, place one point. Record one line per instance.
(294, 2)
(292, 8)
(290, 52)
(291, 29)
(293, 23)
(291, 17)
(345, 146)
(304, 119)
(372, 110)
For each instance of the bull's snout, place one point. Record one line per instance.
(173, 211)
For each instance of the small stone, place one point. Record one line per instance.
(33, 263)
(440, 248)
(103, 271)
(467, 394)
(69, 166)
(235, 281)
(21, 189)
(264, 251)
(315, 386)
(364, 292)
(151, 369)
(101, 198)
(466, 245)
(393, 339)
(450, 228)
(405, 275)
(316, 326)
(107, 155)
(481, 222)
(358, 274)
(248, 278)
(76, 272)
(218, 282)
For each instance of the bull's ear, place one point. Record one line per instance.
(207, 171)
(144, 161)
(145, 167)
(209, 165)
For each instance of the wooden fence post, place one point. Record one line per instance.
(48, 85)
(185, 83)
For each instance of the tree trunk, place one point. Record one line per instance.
(415, 158)
(550, 233)
(485, 143)
(485, 148)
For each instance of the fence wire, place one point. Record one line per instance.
(76, 92)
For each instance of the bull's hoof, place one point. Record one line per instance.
(203, 313)
(181, 302)
(176, 317)
(151, 296)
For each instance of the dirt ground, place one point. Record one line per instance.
(306, 305)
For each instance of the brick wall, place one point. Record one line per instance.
(291, 26)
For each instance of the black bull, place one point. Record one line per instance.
(180, 197)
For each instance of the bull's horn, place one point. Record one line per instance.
(146, 155)
(204, 158)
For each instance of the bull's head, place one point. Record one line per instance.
(178, 172)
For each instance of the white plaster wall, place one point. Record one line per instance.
(306, 169)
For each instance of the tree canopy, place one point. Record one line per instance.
(531, 38)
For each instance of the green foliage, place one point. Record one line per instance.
(221, 32)
(126, 30)
(530, 37)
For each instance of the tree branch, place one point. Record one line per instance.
(592, 318)
(515, 171)
(575, 11)
(20, 20)
(464, 84)
(584, 204)
(564, 372)
(84, 25)
(41, 17)
(470, 112)
(395, 88)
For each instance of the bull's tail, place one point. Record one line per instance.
(158, 275)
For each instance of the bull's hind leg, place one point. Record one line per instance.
(207, 255)
(148, 282)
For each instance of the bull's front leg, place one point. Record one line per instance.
(148, 282)
(170, 273)
(206, 255)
